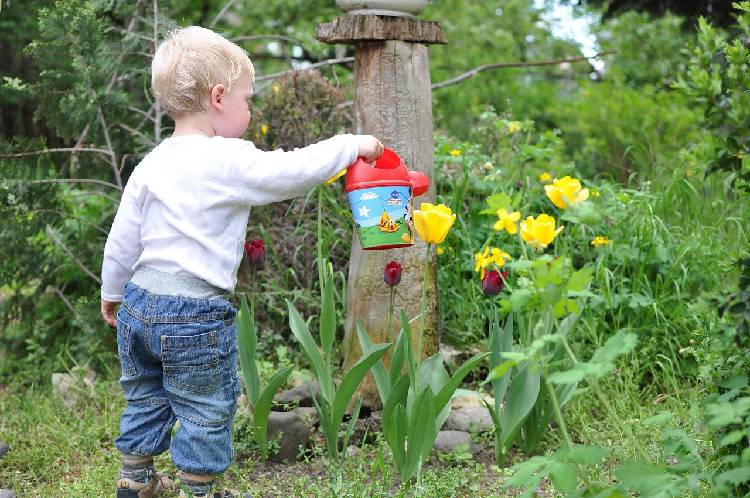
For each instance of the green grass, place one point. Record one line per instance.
(60, 451)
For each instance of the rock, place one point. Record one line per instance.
(310, 414)
(292, 431)
(448, 441)
(73, 386)
(366, 429)
(469, 419)
(467, 398)
(352, 450)
(3, 448)
(6, 493)
(451, 356)
(301, 395)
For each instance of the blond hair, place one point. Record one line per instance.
(189, 63)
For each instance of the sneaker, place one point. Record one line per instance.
(128, 488)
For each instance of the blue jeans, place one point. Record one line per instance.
(179, 362)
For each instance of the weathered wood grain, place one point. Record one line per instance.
(357, 28)
(392, 100)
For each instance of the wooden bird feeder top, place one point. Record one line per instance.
(362, 28)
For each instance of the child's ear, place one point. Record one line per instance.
(217, 96)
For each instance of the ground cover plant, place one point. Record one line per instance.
(595, 280)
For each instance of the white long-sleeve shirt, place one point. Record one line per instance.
(186, 205)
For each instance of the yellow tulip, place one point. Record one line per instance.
(539, 232)
(599, 241)
(566, 191)
(507, 221)
(433, 222)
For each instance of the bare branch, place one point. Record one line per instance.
(136, 132)
(56, 239)
(113, 159)
(64, 299)
(283, 38)
(327, 62)
(504, 65)
(77, 180)
(222, 12)
(146, 115)
(499, 65)
(131, 26)
(58, 149)
(157, 110)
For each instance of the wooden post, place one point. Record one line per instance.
(393, 101)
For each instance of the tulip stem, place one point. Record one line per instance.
(390, 314)
(320, 239)
(423, 303)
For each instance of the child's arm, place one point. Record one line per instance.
(266, 177)
(122, 249)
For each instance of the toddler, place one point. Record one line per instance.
(172, 255)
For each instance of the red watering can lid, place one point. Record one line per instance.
(388, 170)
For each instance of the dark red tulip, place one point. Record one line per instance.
(392, 273)
(256, 252)
(493, 282)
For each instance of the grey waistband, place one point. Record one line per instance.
(159, 282)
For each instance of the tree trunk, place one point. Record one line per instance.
(393, 101)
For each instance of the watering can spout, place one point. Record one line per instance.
(380, 197)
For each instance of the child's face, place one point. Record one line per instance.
(234, 116)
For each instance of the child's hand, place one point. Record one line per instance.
(109, 312)
(370, 147)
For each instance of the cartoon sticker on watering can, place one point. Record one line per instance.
(380, 197)
(382, 215)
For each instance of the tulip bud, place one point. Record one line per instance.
(256, 252)
(493, 282)
(392, 273)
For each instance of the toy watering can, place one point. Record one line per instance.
(380, 198)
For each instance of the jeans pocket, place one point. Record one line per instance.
(124, 349)
(191, 363)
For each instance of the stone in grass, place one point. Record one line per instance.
(468, 412)
(3, 448)
(292, 431)
(74, 386)
(6, 493)
(448, 441)
(301, 395)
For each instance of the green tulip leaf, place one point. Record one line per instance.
(302, 334)
(246, 344)
(351, 381)
(327, 317)
(263, 408)
(522, 395)
(378, 369)
(446, 393)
